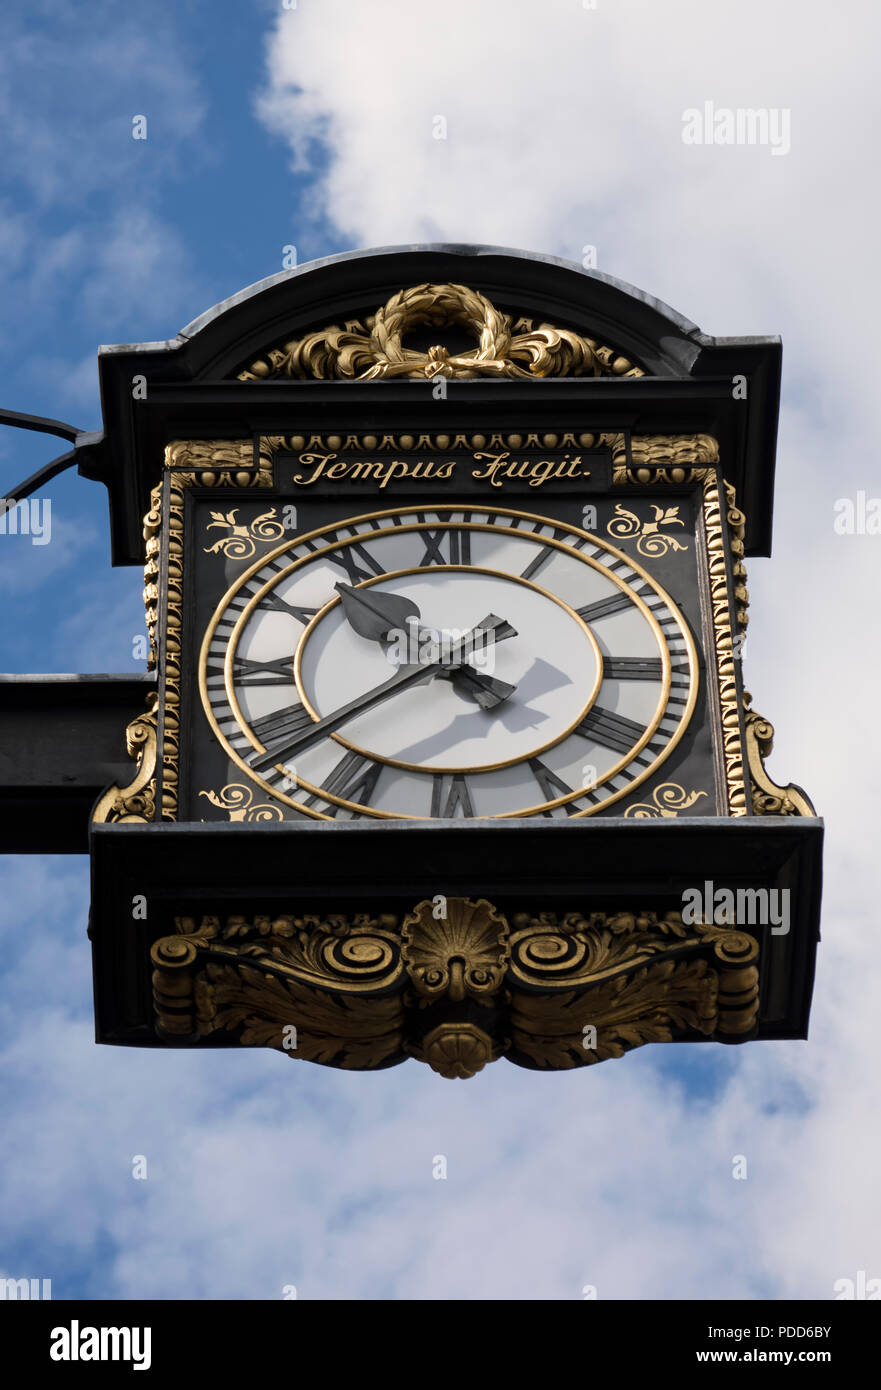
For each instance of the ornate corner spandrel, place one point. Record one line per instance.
(374, 350)
(769, 799)
(137, 801)
(455, 984)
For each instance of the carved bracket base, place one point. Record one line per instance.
(456, 984)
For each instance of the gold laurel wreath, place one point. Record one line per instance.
(374, 350)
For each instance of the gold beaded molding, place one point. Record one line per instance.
(444, 443)
(374, 350)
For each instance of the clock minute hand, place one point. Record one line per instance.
(402, 680)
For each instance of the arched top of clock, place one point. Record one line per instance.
(366, 329)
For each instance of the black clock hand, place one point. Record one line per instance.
(375, 615)
(402, 680)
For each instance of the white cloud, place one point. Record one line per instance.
(563, 129)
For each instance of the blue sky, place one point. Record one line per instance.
(313, 126)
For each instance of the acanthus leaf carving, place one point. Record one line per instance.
(374, 350)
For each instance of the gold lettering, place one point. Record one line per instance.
(390, 472)
(366, 468)
(492, 468)
(496, 469)
(537, 478)
(316, 461)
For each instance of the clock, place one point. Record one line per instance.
(451, 661)
(448, 717)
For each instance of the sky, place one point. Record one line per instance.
(315, 125)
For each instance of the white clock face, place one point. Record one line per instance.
(447, 662)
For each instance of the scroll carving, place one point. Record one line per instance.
(455, 984)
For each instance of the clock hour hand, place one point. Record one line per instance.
(402, 680)
(376, 615)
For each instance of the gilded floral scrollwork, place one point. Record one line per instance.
(374, 350)
(137, 801)
(325, 984)
(650, 540)
(769, 799)
(238, 800)
(626, 1011)
(455, 984)
(667, 801)
(242, 541)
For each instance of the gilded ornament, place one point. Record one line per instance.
(353, 988)
(456, 948)
(241, 543)
(238, 800)
(667, 801)
(374, 350)
(769, 799)
(651, 542)
(458, 1050)
(626, 1011)
(137, 801)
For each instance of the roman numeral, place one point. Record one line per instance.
(543, 555)
(610, 730)
(632, 668)
(281, 605)
(280, 726)
(353, 779)
(459, 546)
(458, 799)
(616, 604)
(552, 785)
(357, 561)
(248, 672)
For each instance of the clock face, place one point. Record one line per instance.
(448, 662)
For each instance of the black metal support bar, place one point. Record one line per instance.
(83, 440)
(62, 741)
(43, 423)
